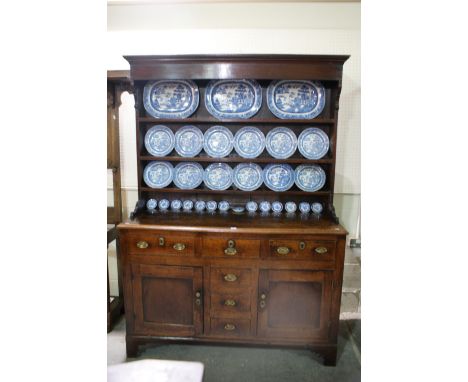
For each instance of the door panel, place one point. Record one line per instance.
(166, 300)
(294, 304)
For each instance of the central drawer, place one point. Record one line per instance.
(230, 247)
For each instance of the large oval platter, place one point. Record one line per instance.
(188, 175)
(158, 174)
(218, 176)
(230, 99)
(313, 143)
(295, 99)
(278, 177)
(248, 176)
(159, 140)
(309, 178)
(171, 98)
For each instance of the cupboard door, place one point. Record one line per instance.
(167, 300)
(294, 304)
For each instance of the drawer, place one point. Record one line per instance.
(224, 279)
(161, 244)
(230, 303)
(315, 250)
(232, 327)
(230, 247)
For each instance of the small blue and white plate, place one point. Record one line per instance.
(278, 176)
(309, 178)
(171, 98)
(200, 205)
(295, 99)
(151, 204)
(317, 208)
(187, 205)
(159, 140)
(251, 206)
(218, 141)
(281, 142)
(238, 209)
(211, 205)
(188, 141)
(277, 207)
(188, 175)
(218, 176)
(313, 143)
(176, 204)
(224, 205)
(248, 176)
(158, 174)
(304, 207)
(164, 204)
(265, 206)
(290, 207)
(249, 142)
(228, 99)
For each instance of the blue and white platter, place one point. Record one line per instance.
(309, 178)
(171, 98)
(218, 176)
(248, 176)
(158, 174)
(229, 99)
(313, 143)
(218, 141)
(188, 141)
(188, 175)
(159, 140)
(278, 176)
(249, 142)
(296, 99)
(281, 142)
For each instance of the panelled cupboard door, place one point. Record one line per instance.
(167, 299)
(294, 304)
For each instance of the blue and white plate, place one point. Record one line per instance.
(158, 174)
(248, 176)
(296, 99)
(265, 206)
(188, 141)
(218, 141)
(313, 143)
(187, 205)
(290, 207)
(224, 205)
(277, 207)
(200, 205)
(317, 208)
(249, 142)
(159, 140)
(151, 204)
(251, 206)
(211, 205)
(304, 207)
(281, 142)
(218, 176)
(309, 178)
(170, 98)
(238, 209)
(164, 204)
(176, 204)
(227, 99)
(188, 175)
(278, 176)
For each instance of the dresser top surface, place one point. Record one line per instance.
(231, 222)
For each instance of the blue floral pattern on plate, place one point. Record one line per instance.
(171, 98)
(249, 142)
(188, 141)
(188, 175)
(227, 99)
(176, 204)
(151, 204)
(278, 176)
(281, 142)
(218, 176)
(187, 205)
(248, 176)
(218, 141)
(290, 207)
(277, 207)
(158, 174)
(159, 140)
(211, 205)
(224, 205)
(313, 143)
(296, 99)
(310, 177)
(251, 206)
(200, 205)
(317, 208)
(304, 207)
(265, 206)
(164, 204)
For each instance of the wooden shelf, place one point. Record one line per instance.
(235, 159)
(250, 121)
(261, 191)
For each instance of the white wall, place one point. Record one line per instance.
(207, 28)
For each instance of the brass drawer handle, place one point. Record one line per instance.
(142, 244)
(231, 249)
(230, 302)
(321, 250)
(282, 250)
(229, 327)
(179, 246)
(230, 277)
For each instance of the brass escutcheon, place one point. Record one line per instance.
(231, 249)
(321, 250)
(302, 245)
(230, 277)
(179, 246)
(142, 244)
(161, 242)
